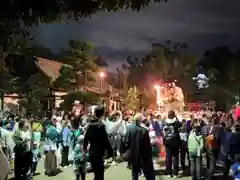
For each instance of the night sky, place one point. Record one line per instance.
(201, 23)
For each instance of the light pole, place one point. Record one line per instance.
(102, 76)
(158, 96)
(1, 83)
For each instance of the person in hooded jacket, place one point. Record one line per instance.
(172, 143)
(97, 137)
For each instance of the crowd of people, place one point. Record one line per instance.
(138, 138)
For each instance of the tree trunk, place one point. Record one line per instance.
(2, 100)
(3, 56)
(85, 90)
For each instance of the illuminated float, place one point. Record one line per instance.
(169, 97)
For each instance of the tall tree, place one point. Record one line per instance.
(12, 22)
(220, 65)
(166, 62)
(79, 68)
(118, 79)
(14, 40)
(37, 90)
(52, 10)
(131, 99)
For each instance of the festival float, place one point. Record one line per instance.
(169, 96)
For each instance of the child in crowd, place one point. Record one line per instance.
(36, 156)
(66, 141)
(195, 148)
(80, 159)
(235, 168)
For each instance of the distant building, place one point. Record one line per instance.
(51, 69)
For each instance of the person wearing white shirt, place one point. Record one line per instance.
(23, 158)
(4, 139)
(5, 145)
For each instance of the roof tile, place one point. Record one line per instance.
(50, 68)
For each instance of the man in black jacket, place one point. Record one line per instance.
(97, 137)
(140, 150)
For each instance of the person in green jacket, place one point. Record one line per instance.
(80, 159)
(195, 148)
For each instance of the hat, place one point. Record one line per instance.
(139, 117)
(81, 138)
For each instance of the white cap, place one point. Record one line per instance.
(81, 138)
(139, 117)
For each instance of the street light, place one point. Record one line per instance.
(102, 76)
(158, 98)
(156, 87)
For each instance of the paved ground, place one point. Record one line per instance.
(118, 172)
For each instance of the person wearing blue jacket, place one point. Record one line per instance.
(157, 125)
(66, 140)
(235, 168)
(231, 149)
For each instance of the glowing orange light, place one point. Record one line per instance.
(102, 74)
(156, 86)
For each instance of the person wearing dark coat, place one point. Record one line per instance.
(96, 136)
(231, 149)
(140, 150)
(217, 131)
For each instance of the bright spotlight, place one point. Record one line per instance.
(156, 86)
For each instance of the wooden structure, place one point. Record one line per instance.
(52, 70)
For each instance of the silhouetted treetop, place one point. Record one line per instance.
(36, 12)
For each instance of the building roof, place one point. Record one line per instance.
(49, 67)
(52, 70)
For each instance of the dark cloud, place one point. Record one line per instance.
(201, 23)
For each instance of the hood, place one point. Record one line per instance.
(168, 120)
(96, 124)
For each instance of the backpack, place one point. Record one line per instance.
(195, 144)
(170, 133)
(211, 142)
(20, 146)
